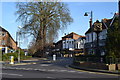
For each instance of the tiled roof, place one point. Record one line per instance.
(107, 21)
(72, 34)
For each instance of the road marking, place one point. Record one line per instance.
(29, 68)
(71, 71)
(49, 77)
(42, 70)
(81, 72)
(45, 65)
(63, 70)
(11, 74)
(92, 72)
(52, 70)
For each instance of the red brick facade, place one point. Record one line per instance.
(6, 41)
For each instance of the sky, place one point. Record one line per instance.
(80, 24)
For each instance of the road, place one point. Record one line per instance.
(53, 70)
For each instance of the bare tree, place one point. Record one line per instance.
(43, 20)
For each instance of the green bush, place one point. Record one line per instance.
(6, 56)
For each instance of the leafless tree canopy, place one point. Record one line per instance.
(43, 20)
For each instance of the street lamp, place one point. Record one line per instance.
(91, 20)
(19, 33)
(91, 17)
(97, 29)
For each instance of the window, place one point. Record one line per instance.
(72, 42)
(3, 42)
(3, 34)
(88, 37)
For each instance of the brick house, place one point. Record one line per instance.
(7, 43)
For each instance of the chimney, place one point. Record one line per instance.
(90, 22)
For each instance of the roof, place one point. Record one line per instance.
(115, 15)
(107, 22)
(67, 36)
(105, 25)
(2, 29)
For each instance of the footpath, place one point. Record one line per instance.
(94, 70)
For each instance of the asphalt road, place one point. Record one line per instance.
(57, 70)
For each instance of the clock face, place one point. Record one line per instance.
(98, 27)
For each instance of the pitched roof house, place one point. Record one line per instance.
(90, 45)
(7, 43)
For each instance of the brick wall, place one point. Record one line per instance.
(7, 39)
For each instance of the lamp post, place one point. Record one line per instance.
(91, 20)
(97, 29)
(91, 17)
(19, 33)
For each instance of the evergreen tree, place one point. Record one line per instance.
(113, 40)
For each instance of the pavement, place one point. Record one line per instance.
(94, 70)
(36, 60)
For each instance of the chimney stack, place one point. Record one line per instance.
(90, 22)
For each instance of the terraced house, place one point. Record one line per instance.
(7, 43)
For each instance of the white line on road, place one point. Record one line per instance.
(45, 65)
(49, 77)
(42, 70)
(11, 74)
(52, 70)
(63, 70)
(71, 71)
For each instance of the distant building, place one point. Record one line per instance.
(79, 43)
(58, 45)
(90, 45)
(71, 42)
(7, 43)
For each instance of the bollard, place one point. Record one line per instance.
(54, 57)
(11, 59)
